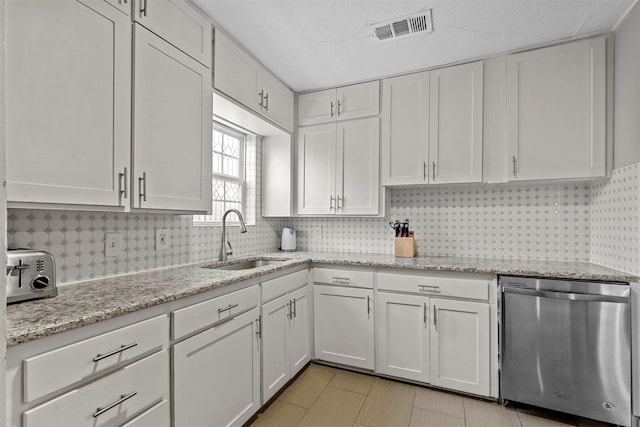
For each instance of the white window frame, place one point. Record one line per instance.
(208, 220)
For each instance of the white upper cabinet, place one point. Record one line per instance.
(338, 168)
(68, 92)
(242, 78)
(343, 103)
(172, 140)
(556, 111)
(179, 23)
(432, 129)
(455, 121)
(405, 129)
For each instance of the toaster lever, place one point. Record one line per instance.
(18, 267)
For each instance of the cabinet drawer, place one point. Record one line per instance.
(146, 382)
(432, 285)
(334, 276)
(59, 368)
(158, 416)
(282, 285)
(198, 316)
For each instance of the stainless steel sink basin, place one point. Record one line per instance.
(247, 265)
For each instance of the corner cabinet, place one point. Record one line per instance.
(172, 127)
(338, 168)
(242, 78)
(68, 102)
(432, 128)
(556, 111)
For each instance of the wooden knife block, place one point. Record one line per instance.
(405, 247)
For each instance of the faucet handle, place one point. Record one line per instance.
(230, 251)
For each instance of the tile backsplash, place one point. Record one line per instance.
(597, 222)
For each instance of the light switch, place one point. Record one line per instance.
(162, 239)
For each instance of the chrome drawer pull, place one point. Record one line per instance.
(429, 288)
(341, 279)
(229, 307)
(123, 398)
(113, 352)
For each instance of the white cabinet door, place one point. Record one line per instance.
(300, 332)
(177, 22)
(402, 339)
(172, 127)
(275, 359)
(68, 102)
(356, 101)
(278, 101)
(460, 357)
(217, 374)
(317, 107)
(405, 129)
(556, 120)
(455, 142)
(343, 330)
(317, 169)
(236, 73)
(357, 167)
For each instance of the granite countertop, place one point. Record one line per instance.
(84, 303)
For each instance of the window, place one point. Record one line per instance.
(228, 175)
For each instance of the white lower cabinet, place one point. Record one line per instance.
(286, 344)
(216, 374)
(402, 339)
(343, 319)
(460, 356)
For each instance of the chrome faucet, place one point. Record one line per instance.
(224, 243)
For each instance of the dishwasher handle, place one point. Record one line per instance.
(565, 295)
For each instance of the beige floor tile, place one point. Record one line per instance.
(529, 420)
(307, 387)
(352, 381)
(335, 408)
(280, 414)
(388, 404)
(359, 425)
(584, 422)
(440, 401)
(481, 414)
(424, 418)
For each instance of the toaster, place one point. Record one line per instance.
(30, 274)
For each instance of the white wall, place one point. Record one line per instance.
(626, 129)
(3, 226)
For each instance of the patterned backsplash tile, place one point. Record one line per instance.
(596, 222)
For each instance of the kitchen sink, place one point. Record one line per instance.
(247, 265)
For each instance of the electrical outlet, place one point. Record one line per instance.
(112, 244)
(317, 232)
(162, 239)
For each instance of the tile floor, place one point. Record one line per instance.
(329, 397)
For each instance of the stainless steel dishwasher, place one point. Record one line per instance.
(566, 347)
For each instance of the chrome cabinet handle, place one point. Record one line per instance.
(123, 398)
(143, 8)
(433, 170)
(266, 102)
(424, 317)
(261, 95)
(425, 171)
(289, 312)
(515, 171)
(229, 307)
(331, 200)
(331, 108)
(435, 317)
(259, 327)
(114, 352)
(142, 187)
(368, 305)
(338, 200)
(339, 105)
(341, 280)
(122, 184)
(429, 288)
(295, 310)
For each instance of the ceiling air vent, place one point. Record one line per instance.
(401, 27)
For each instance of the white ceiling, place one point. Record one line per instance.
(313, 44)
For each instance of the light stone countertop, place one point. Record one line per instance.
(85, 303)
